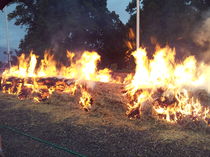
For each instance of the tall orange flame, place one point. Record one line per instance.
(165, 85)
(28, 79)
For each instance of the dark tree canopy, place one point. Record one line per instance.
(75, 25)
(78, 25)
(3, 3)
(168, 21)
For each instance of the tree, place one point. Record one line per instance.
(76, 25)
(168, 22)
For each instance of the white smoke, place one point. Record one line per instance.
(201, 36)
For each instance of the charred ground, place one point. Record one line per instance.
(104, 131)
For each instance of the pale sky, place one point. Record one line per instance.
(17, 33)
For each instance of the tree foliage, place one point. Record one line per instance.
(75, 25)
(79, 25)
(168, 21)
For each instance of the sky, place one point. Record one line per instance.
(16, 33)
(119, 7)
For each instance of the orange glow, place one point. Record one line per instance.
(86, 99)
(166, 85)
(38, 82)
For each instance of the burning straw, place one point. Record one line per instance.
(27, 80)
(160, 85)
(165, 86)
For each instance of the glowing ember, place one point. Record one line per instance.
(86, 100)
(166, 86)
(28, 80)
(159, 84)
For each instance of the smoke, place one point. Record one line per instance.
(201, 36)
(88, 83)
(201, 39)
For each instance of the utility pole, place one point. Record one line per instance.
(137, 24)
(7, 37)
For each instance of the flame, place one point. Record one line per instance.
(38, 82)
(161, 82)
(130, 43)
(85, 68)
(166, 85)
(86, 99)
(48, 66)
(26, 67)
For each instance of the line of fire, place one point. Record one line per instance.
(153, 81)
(167, 88)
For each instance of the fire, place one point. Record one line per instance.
(48, 67)
(161, 84)
(86, 100)
(38, 82)
(166, 86)
(25, 68)
(85, 68)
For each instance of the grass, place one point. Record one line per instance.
(104, 131)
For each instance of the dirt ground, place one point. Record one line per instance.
(105, 131)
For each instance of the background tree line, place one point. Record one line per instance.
(79, 25)
(170, 22)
